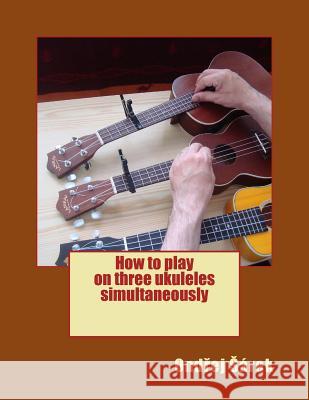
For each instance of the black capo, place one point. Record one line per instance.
(128, 110)
(126, 172)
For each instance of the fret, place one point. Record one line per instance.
(156, 239)
(241, 223)
(120, 183)
(229, 226)
(234, 225)
(145, 176)
(256, 224)
(211, 237)
(247, 222)
(259, 218)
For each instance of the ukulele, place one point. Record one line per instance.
(248, 223)
(202, 118)
(241, 154)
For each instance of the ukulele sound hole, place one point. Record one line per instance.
(267, 214)
(224, 154)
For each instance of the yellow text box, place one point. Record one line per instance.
(212, 309)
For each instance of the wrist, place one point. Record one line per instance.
(250, 101)
(186, 216)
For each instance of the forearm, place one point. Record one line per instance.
(259, 107)
(183, 232)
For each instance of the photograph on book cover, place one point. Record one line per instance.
(154, 143)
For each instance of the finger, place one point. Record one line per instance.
(206, 72)
(206, 81)
(205, 96)
(207, 153)
(195, 147)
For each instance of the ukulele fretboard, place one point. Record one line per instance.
(228, 226)
(236, 224)
(149, 117)
(145, 176)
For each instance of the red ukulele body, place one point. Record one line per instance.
(241, 154)
(210, 117)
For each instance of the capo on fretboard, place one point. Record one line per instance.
(128, 110)
(126, 172)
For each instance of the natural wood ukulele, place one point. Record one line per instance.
(248, 223)
(241, 154)
(196, 118)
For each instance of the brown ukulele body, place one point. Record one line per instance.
(238, 155)
(210, 117)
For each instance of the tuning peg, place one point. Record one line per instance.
(69, 185)
(76, 246)
(99, 244)
(78, 223)
(95, 214)
(71, 177)
(96, 234)
(60, 149)
(87, 165)
(87, 179)
(74, 237)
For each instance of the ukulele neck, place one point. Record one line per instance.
(228, 226)
(236, 224)
(147, 118)
(144, 177)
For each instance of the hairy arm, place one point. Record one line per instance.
(192, 183)
(234, 92)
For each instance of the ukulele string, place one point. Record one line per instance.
(252, 141)
(113, 129)
(93, 143)
(242, 155)
(137, 181)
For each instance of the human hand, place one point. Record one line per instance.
(192, 181)
(230, 89)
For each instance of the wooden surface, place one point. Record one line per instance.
(124, 214)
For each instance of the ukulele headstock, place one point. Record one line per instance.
(98, 244)
(65, 159)
(75, 201)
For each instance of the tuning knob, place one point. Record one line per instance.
(95, 214)
(90, 187)
(87, 179)
(78, 223)
(99, 244)
(75, 246)
(74, 237)
(69, 185)
(96, 234)
(72, 192)
(83, 153)
(60, 149)
(67, 163)
(93, 199)
(77, 142)
(71, 177)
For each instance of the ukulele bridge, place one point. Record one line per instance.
(263, 143)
